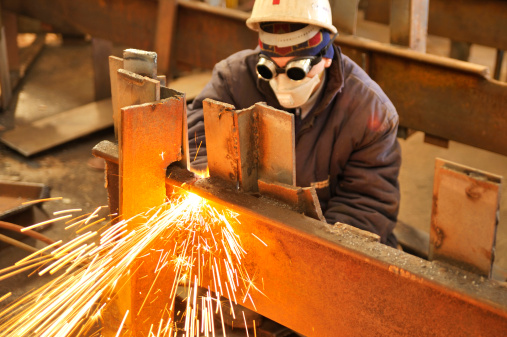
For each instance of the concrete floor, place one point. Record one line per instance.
(61, 78)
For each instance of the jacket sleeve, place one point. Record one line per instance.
(366, 192)
(217, 89)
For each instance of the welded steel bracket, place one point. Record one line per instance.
(253, 150)
(464, 217)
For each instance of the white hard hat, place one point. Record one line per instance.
(313, 12)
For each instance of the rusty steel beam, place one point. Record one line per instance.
(323, 280)
(446, 98)
(326, 281)
(476, 21)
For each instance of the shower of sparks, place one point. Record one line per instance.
(187, 236)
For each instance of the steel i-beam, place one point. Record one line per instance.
(321, 280)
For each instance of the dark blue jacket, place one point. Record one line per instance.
(346, 147)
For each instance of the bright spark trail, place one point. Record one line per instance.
(187, 236)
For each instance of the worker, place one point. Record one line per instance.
(346, 126)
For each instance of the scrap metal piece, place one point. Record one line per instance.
(464, 217)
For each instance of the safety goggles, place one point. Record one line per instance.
(296, 69)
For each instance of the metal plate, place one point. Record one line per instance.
(14, 194)
(59, 128)
(464, 217)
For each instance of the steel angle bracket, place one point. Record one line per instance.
(254, 150)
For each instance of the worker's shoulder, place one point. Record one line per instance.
(357, 80)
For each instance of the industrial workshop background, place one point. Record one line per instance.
(441, 62)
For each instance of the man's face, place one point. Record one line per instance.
(316, 69)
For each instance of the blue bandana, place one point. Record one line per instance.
(311, 47)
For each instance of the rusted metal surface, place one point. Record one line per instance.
(475, 21)
(146, 149)
(14, 195)
(184, 158)
(254, 150)
(323, 281)
(276, 144)
(5, 80)
(133, 89)
(109, 151)
(446, 98)
(464, 217)
(144, 156)
(326, 283)
(249, 144)
(302, 199)
(409, 23)
(222, 137)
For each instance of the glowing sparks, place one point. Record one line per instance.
(255, 236)
(67, 211)
(122, 322)
(40, 200)
(5, 296)
(24, 229)
(187, 238)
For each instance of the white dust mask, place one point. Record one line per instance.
(292, 94)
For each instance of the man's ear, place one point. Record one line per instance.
(327, 62)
